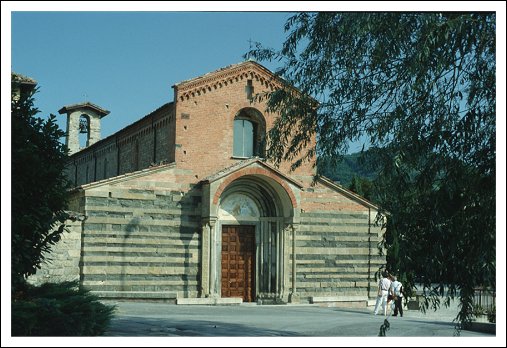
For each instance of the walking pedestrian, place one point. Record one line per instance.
(383, 290)
(398, 293)
(391, 297)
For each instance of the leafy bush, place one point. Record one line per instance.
(491, 313)
(59, 309)
(478, 310)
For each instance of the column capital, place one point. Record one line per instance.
(209, 221)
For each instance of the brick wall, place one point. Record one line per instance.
(205, 120)
(196, 131)
(149, 140)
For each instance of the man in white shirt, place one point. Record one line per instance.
(384, 285)
(397, 290)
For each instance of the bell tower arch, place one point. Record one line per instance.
(82, 118)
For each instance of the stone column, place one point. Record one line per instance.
(294, 297)
(214, 265)
(205, 259)
(94, 131)
(72, 139)
(279, 262)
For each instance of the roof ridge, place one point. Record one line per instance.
(124, 176)
(347, 192)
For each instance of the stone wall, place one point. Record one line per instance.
(141, 237)
(63, 263)
(336, 245)
(336, 255)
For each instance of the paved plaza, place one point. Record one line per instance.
(251, 320)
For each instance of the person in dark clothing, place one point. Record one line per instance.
(397, 290)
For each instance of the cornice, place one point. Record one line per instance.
(229, 75)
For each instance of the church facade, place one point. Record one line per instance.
(181, 206)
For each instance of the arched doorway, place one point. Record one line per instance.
(253, 212)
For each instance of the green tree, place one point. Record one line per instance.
(39, 187)
(420, 87)
(362, 187)
(344, 169)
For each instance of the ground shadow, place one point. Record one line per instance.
(141, 326)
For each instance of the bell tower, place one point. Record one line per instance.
(82, 118)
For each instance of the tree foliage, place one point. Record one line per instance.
(420, 87)
(344, 170)
(39, 187)
(362, 187)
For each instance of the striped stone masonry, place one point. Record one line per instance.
(337, 254)
(141, 237)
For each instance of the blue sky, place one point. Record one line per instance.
(126, 62)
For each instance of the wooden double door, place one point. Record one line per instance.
(238, 262)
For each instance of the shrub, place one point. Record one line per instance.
(59, 309)
(477, 310)
(491, 313)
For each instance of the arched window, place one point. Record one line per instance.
(84, 131)
(249, 133)
(243, 138)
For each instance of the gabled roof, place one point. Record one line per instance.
(124, 177)
(85, 105)
(346, 192)
(245, 163)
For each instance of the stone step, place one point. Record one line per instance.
(210, 301)
(317, 299)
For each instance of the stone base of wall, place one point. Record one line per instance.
(209, 301)
(340, 301)
(352, 304)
